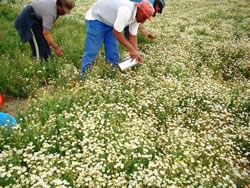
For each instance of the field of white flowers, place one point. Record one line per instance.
(179, 120)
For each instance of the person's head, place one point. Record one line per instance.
(144, 11)
(158, 6)
(65, 6)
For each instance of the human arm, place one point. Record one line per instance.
(49, 39)
(131, 46)
(48, 20)
(145, 32)
(133, 41)
(122, 20)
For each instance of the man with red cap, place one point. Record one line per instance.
(105, 22)
(35, 22)
(158, 6)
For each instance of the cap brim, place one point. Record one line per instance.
(148, 18)
(67, 11)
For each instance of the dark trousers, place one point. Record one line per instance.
(44, 48)
(27, 21)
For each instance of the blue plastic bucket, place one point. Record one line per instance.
(7, 120)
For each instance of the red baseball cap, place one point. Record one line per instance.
(147, 8)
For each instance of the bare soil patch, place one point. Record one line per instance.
(13, 105)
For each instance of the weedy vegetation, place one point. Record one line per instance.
(180, 119)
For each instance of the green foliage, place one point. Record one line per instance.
(21, 75)
(7, 13)
(180, 119)
(131, 165)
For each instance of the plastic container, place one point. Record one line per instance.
(7, 120)
(127, 63)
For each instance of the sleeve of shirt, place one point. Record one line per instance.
(121, 21)
(89, 15)
(48, 21)
(133, 28)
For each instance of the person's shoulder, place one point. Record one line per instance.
(53, 2)
(125, 9)
(47, 4)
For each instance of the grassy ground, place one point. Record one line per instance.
(181, 119)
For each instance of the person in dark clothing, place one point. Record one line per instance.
(35, 22)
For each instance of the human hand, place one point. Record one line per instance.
(135, 55)
(151, 36)
(59, 52)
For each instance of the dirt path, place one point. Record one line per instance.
(13, 105)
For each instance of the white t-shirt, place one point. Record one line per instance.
(117, 14)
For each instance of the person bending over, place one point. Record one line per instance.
(158, 6)
(105, 22)
(35, 22)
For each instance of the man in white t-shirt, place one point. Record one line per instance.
(105, 22)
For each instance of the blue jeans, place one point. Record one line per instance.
(98, 33)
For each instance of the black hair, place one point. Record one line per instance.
(157, 2)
